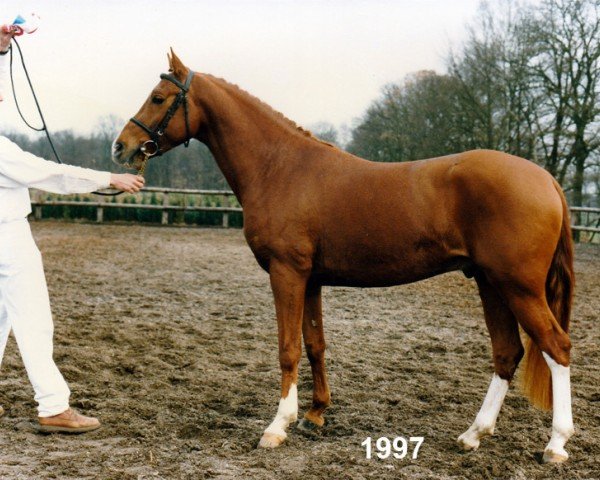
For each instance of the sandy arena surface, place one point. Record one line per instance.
(168, 335)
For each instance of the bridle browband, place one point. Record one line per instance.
(151, 148)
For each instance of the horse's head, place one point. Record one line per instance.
(166, 119)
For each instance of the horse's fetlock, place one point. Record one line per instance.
(564, 429)
(291, 416)
(321, 402)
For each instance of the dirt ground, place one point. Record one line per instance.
(168, 335)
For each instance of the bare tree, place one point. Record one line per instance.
(566, 66)
(105, 131)
(495, 86)
(416, 119)
(526, 81)
(325, 131)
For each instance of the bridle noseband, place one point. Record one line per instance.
(151, 148)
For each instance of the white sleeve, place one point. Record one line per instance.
(4, 80)
(25, 169)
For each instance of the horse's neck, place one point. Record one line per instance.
(244, 136)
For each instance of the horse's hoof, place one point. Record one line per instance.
(307, 425)
(271, 440)
(550, 456)
(468, 443)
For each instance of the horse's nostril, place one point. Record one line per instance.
(117, 148)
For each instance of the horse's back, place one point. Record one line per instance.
(415, 219)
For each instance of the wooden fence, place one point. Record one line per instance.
(228, 203)
(587, 219)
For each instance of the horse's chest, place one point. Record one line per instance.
(293, 249)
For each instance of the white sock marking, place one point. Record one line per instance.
(286, 413)
(486, 418)
(562, 418)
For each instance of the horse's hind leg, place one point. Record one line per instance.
(534, 315)
(562, 419)
(507, 352)
(314, 341)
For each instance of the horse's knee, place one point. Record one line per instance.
(506, 363)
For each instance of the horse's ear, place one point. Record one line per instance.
(175, 65)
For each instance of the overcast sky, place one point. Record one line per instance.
(313, 60)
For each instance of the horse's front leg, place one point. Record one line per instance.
(314, 341)
(288, 290)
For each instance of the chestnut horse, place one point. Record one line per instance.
(315, 215)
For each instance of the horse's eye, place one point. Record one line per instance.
(157, 100)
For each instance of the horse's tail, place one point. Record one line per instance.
(536, 379)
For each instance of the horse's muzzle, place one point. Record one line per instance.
(123, 156)
(117, 153)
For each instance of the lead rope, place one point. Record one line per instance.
(44, 127)
(143, 166)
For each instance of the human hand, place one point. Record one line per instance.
(127, 182)
(7, 32)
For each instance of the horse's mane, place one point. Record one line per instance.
(267, 108)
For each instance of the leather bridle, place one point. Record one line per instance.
(151, 148)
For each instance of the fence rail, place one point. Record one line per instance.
(102, 203)
(587, 218)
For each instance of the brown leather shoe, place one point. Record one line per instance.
(69, 421)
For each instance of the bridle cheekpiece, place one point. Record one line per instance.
(151, 148)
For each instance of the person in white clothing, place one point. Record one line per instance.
(24, 302)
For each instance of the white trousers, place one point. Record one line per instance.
(25, 307)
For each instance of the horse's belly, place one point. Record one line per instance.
(376, 268)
